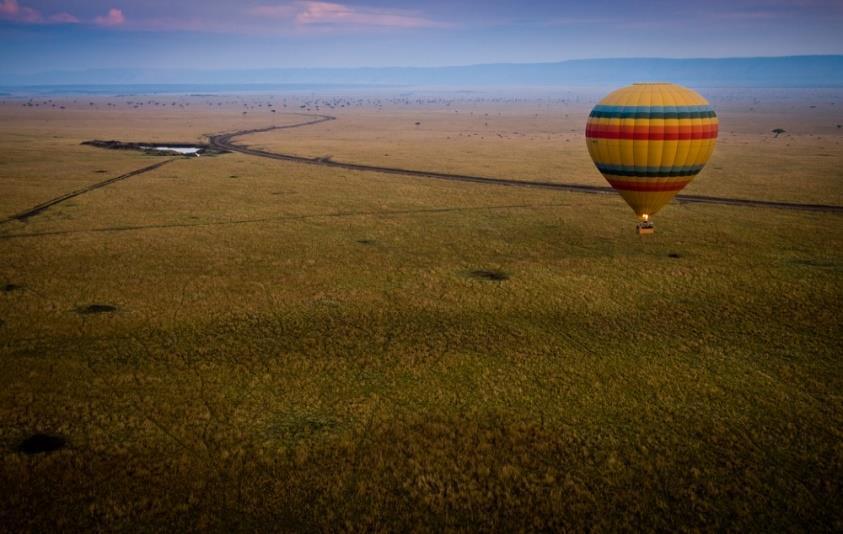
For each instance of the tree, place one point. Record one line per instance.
(778, 131)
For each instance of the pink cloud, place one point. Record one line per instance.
(317, 12)
(114, 17)
(275, 11)
(11, 10)
(9, 7)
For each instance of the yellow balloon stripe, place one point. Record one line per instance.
(652, 123)
(673, 153)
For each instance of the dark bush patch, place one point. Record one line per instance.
(312, 424)
(38, 443)
(8, 288)
(816, 263)
(101, 171)
(497, 276)
(96, 308)
(674, 255)
(234, 176)
(366, 241)
(297, 427)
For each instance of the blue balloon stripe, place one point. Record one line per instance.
(649, 172)
(652, 109)
(602, 111)
(652, 115)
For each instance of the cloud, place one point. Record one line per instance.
(114, 17)
(64, 18)
(770, 10)
(288, 17)
(313, 12)
(11, 10)
(279, 11)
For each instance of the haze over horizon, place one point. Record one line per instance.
(49, 35)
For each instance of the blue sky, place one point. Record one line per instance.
(41, 35)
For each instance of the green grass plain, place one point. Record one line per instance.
(302, 348)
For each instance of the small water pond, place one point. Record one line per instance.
(180, 149)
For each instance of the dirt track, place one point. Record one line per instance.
(224, 142)
(22, 216)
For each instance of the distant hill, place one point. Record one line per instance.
(793, 71)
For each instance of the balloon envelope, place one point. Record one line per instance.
(649, 140)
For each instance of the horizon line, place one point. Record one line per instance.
(465, 65)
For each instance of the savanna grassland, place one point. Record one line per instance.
(236, 343)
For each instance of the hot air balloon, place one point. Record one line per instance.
(649, 140)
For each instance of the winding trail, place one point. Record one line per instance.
(225, 141)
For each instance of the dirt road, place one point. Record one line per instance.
(225, 142)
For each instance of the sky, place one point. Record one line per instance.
(45, 35)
